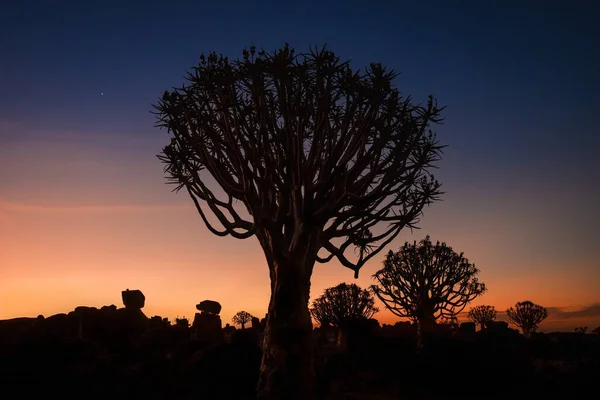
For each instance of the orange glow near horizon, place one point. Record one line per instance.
(81, 223)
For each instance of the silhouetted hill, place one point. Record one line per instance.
(105, 352)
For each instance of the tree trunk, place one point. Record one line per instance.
(342, 340)
(424, 330)
(287, 367)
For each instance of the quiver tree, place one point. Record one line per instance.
(527, 316)
(482, 315)
(425, 282)
(344, 306)
(343, 303)
(316, 160)
(242, 318)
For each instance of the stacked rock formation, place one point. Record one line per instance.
(207, 325)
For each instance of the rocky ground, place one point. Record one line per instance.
(119, 353)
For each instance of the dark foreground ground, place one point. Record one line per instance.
(164, 363)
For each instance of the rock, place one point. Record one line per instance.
(498, 326)
(207, 327)
(209, 306)
(83, 309)
(228, 332)
(133, 298)
(60, 325)
(110, 308)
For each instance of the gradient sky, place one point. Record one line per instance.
(85, 213)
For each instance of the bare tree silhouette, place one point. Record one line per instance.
(482, 315)
(342, 303)
(424, 282)
(527, 316)
(242, 318)
(322, 158)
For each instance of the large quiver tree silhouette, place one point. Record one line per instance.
(425, 282)
(321, 160)
(527, 316)
(482, 315)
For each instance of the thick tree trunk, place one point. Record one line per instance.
(287, 367)
(424, 330)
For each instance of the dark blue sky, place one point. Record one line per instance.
(520, 78)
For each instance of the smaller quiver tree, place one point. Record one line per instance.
(425, 281)
(242, 318)
(344, 306)
(482, 315)
(527, 316)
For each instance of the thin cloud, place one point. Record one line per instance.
(589, 311)
(100, 208)
(22, 134)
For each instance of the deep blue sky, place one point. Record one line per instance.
(520, 78)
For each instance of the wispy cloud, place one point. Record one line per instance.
(99, 208)
(20, 135)
(589, 311)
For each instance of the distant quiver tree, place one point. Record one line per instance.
(482, 315)
(425, 281)
(342, 304)
(313, 158)
(242, 318)
(527, 316)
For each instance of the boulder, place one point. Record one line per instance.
(207, 327)
(133, 298)
(209, 306)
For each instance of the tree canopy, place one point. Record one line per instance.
(427, 278)
(527, 316)
(306, 144)
(242, 318)
(482, 315)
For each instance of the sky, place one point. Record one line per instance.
(85, 212)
